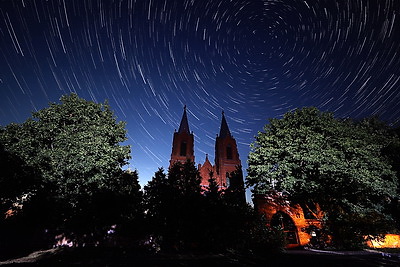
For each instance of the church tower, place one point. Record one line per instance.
(183, 142)
(227, 159)
(226, 154)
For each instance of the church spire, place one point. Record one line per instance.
(182, 143)
(224, 130)
(184, 126)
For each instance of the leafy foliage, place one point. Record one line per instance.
(16, 179)
(337, 163)
(71, 164)
(74, 145)
(263, 239)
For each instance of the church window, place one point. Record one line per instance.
(183, 148)
(228, 181)
(229, 152)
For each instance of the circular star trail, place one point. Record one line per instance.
(253, 59)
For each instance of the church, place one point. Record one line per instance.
(226, 157)
(227, 161)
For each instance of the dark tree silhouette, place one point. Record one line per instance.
(157, 202)
(173, 206)
(235, 193)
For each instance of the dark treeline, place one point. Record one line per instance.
(182, 216)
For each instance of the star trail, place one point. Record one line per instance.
(254, 59)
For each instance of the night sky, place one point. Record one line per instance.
(254, 59)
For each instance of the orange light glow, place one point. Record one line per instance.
(390, 241)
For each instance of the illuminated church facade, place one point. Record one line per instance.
(227, 158)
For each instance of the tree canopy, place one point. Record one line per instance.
(75, 146)
(70, 160)
(339, 164)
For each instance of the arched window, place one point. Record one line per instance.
(283, 221)
(229, 152)
(183, 148)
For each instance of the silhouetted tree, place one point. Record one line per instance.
(186, 204)
(184, 179)
(122, 206)
(173, 205)
(130, 196)
(228, 221)
(157, 203)
(213, 192)
(212, 218)
(235, 193)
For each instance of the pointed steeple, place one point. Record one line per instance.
(184, 126)
(207, 159)
(182, 143)
(224, 130)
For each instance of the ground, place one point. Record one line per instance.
(125, 257)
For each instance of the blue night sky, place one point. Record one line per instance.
(254, 59)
